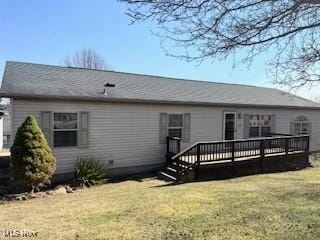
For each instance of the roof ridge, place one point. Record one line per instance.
(146, 75)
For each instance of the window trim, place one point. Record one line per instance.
(175, 113)
(64, 130)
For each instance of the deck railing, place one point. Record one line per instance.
(279, 135)
(235, 150)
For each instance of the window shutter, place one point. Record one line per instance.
(273, 123)
(246, 126)
(309, 128)
(163, 127)
(46, 126)
(83, 139)
(292, 128)
(186, 127)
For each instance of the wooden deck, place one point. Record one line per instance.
(233, 152)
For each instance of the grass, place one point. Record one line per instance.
(268, 206)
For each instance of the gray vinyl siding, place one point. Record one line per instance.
(128, 133)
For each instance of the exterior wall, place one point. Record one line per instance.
(7, 130)
(128, 134)
(1, 133)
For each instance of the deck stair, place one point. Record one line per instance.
(174, 172)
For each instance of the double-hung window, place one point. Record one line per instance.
(65, 129)
(259, 126)
(301, 126)
(265, 125)
(175, 125)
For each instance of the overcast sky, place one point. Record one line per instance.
(47, 31)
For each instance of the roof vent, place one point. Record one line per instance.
(107, 85)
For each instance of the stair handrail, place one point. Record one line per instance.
(185, 150)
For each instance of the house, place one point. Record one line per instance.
(123, 119)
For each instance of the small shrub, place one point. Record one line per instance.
(89, 172)
(32, 160)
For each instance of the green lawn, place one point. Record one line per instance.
(269, 206)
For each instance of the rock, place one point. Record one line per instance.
(68, 189)
(21, 197)
(60, 190)
(37, 195)
(50, 192)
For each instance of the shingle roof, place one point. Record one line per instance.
(37, 80)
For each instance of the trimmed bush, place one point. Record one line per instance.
(32, 160)
(89, 172)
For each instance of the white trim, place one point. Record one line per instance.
(224, 124)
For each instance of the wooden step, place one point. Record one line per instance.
(176, 167)
(168, 177)
(180, 164)
(173, 168)
(173, 172)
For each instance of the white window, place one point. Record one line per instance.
(259, 126)
(65, 129)
(175, 125)
(301, 126)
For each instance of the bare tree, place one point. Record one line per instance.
(86, 58)
(202, 29)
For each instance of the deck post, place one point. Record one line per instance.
(308, 144)
(232, 149)
(262, 146)
(168, 149)
(198, 161)
(286, 146)
(178, 145)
